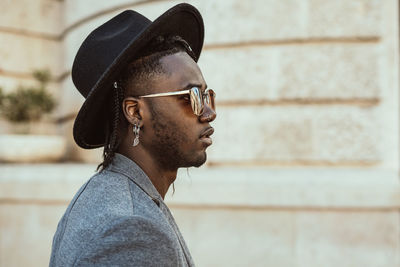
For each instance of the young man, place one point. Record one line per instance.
(147, 103)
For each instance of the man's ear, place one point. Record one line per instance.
(132, 110)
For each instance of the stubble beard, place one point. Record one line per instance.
(167, 146)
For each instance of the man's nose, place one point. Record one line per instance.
(208, 114)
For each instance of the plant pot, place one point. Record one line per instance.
(20, 148)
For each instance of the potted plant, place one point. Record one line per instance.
(23, 109)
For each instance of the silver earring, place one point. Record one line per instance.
(136, 130)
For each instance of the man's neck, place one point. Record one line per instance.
(160, 177)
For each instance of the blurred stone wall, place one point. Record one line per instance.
(304, 169)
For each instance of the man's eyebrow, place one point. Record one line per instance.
(190, 85)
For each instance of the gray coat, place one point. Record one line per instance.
(119, 219)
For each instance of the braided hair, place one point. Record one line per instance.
(140, 69)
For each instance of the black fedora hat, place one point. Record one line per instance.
(109, 48)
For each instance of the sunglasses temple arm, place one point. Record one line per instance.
(167, 94)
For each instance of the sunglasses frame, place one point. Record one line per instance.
(198, 108)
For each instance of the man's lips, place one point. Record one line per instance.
(207, 133)
(205, 136)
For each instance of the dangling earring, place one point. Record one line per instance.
(136, 130)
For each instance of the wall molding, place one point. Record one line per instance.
(317, 188)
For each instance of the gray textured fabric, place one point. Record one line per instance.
(119, 219)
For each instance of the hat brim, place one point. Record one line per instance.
(90, 127)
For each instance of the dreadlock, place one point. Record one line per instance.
(140, 70)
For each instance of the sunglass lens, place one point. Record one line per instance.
(210, 98)
(196, 101)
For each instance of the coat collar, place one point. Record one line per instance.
(129, 168)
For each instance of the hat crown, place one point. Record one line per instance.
(102, 47)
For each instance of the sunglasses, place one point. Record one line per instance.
(197, 98)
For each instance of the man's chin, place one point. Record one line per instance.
(198, 161)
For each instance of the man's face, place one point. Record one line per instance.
(172, 133)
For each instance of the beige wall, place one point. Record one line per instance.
(305, 162)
